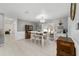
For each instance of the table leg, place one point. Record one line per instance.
(42, 42)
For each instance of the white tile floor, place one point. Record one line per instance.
(24, 47)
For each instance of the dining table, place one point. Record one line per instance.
(41, 36)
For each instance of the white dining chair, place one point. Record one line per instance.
(33, 38)
(38, 38)
(41, 38)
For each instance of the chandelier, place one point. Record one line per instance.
(42, 17)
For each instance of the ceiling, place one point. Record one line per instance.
(29, 11)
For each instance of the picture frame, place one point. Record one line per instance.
(73, 11)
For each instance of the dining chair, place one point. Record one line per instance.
(33, 38)
(38, 37)
(41, 38)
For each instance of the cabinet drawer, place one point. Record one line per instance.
(63, 53)
(66, 50)
(65, 44)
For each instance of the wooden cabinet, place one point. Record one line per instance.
(28, 29)
(27, 35)
(65, 47)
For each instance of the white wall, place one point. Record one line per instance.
(54, 23)
(21, 24)
(1, 29)
(18, 35)
(8, 24)
(20, 28)
(72, 29)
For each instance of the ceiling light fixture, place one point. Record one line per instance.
(42, 17)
